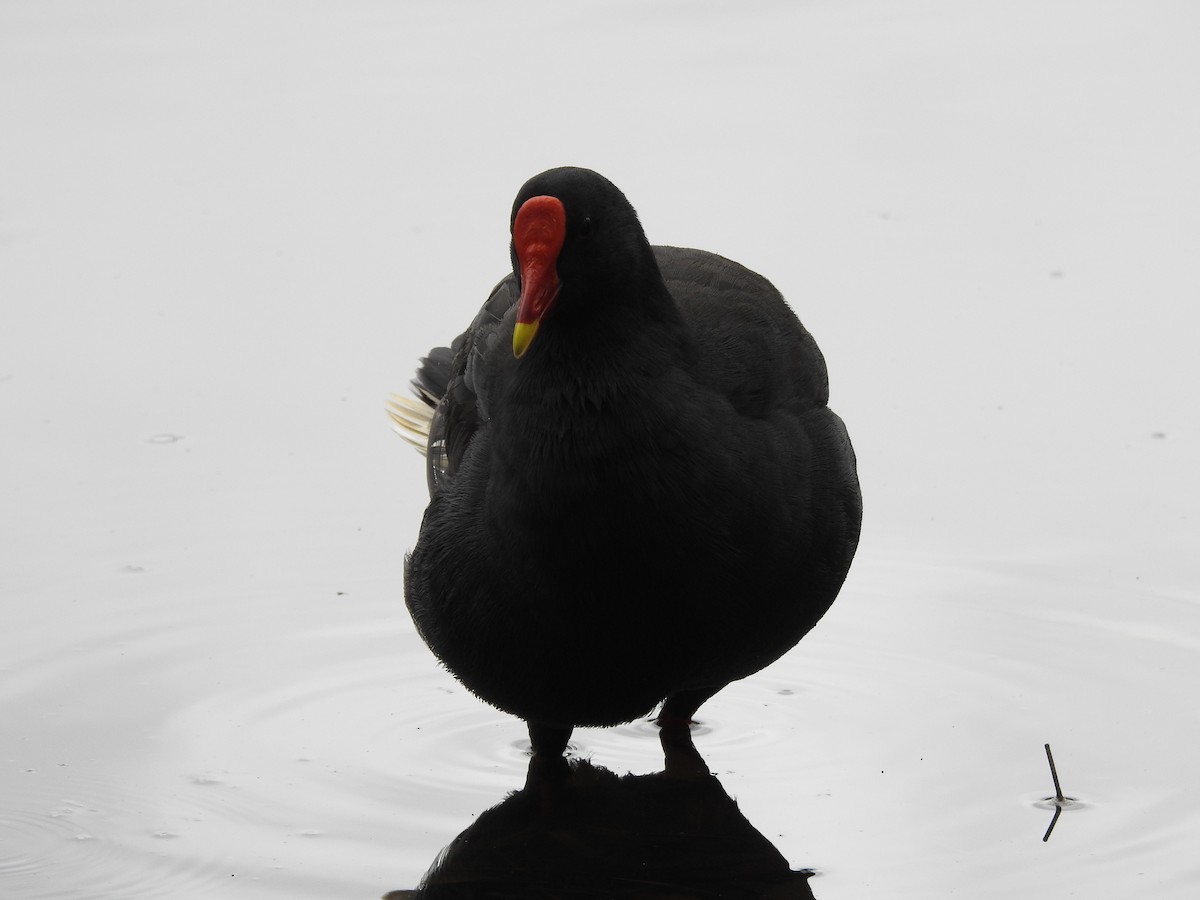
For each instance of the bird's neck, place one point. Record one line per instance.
(586, 405)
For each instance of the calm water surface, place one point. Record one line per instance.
(272, 744)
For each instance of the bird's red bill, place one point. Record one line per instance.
(538, 234)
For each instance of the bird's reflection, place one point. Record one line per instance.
(580, 831)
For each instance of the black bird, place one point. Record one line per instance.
(638, 492)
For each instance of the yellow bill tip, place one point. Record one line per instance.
(523, 334)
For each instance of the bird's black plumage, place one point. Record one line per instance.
(651, 502)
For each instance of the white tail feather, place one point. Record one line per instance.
(410, 419)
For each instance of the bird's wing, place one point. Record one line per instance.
(750, 346)
(454, 380)
(434, 373)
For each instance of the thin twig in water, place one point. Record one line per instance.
(1058, 795)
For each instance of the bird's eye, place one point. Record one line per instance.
(585, 227)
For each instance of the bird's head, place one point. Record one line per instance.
(573, 234)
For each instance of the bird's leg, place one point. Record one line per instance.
(549, 743)
(681, 759)
(679, 708)
(549, 740)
